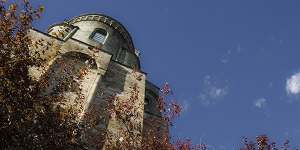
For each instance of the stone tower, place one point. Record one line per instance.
(113, 66)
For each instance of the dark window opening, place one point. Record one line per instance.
(147, 101)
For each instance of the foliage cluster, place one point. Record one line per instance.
(36, 113)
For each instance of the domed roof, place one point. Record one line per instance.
(107, 20)
(118, 37)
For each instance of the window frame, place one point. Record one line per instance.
(100, 31)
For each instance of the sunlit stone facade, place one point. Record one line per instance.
(112, 71)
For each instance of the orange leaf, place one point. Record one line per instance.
(53, 33)
(134, 70)
(21, 16)
(3, 1)
(61, 34)
(41, 7)
(37, 16)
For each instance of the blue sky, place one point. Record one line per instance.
(234, 65)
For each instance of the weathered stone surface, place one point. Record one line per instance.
(112, 71)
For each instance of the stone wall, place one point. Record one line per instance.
(106, 75)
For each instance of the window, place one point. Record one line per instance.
(147, 101)
(99, 35)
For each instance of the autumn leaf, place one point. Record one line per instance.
(61, 34)
(41, 7)
(21, 16)
(61, 113)
(95, 49)
(139, 77)
(134, 70)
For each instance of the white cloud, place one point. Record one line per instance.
(217, 92)
(280, 42)
(185, 107)
(238, 48)
(271, 84)
(211, 92)
(229, 51)
(224, 60)
(225, 56)
(287, 133)
(272, 39)
(293, 84)
(206, 80)
(296, 131)
(260, 103)
(166, 9)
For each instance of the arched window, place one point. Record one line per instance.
(99, 35)
(147, 101)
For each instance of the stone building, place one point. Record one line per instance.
(113, 65)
